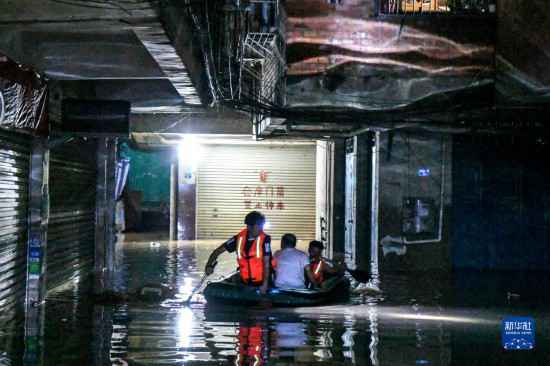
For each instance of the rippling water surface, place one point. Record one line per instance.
(418, 320)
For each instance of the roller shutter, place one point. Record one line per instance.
(71, 238)
(277, 180)
(14, 176)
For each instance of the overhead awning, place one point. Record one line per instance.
(115, 50)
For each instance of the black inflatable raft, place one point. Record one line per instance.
(229, 292)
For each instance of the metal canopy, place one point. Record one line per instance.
(112, 50)
(87, 51)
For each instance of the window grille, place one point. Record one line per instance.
(437, 6)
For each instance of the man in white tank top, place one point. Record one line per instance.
(291, 265)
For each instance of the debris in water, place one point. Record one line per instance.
(368, 287)
(392, 244)
(148, 293)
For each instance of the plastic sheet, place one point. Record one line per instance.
(22, 96)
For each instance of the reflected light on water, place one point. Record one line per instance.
(184, 327)
(402, 313)
(187, 286)
(373, 345)
(347, 339)
(441, 318)
(365, 331)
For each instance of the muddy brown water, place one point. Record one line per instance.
(420, 319)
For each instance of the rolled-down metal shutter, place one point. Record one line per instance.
(71, 238)
(14, 182)
(277, 180)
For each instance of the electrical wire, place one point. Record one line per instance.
(212, 81)
(222, 79)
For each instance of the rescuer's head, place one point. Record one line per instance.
(315, 249)
(254, 223)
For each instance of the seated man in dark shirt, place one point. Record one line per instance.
(253, 249)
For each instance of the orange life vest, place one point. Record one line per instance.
(317, 270)
(250, 346)
(251, 264)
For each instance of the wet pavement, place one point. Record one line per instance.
(419, 320)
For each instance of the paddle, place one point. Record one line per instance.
(357, 274)
(204, 277)
(201, 282)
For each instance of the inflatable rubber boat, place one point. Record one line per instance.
(230, 292)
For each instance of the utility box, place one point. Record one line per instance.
(419, 218)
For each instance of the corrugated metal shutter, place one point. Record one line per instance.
(71, 238)
(277, 180)
(14, 182)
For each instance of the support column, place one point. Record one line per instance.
(359, 200)
(187, 189)
(110, 230)
(36, 254)
(375, 195)
(322, 193)
(100, 209)
(105, 238)
(350, 201)
(174, 201)
(337, 200)
(105, 245)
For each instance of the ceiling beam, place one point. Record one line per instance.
(186, 40)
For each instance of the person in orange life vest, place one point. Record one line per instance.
(253, 249)
(252, 344)
(319, 267)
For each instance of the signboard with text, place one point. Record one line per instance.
(264, 196)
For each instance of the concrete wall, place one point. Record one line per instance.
(523, 50)
(501, 213)
(342, 55)
(403, 158)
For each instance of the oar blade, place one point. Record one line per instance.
(359, 276)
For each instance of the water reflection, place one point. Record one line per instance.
(252, 344)
(410, 325)
(373, 345)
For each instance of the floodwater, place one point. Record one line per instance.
(419, 320)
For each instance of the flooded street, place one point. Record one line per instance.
(415, 322)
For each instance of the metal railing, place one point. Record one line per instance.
(436, 6)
